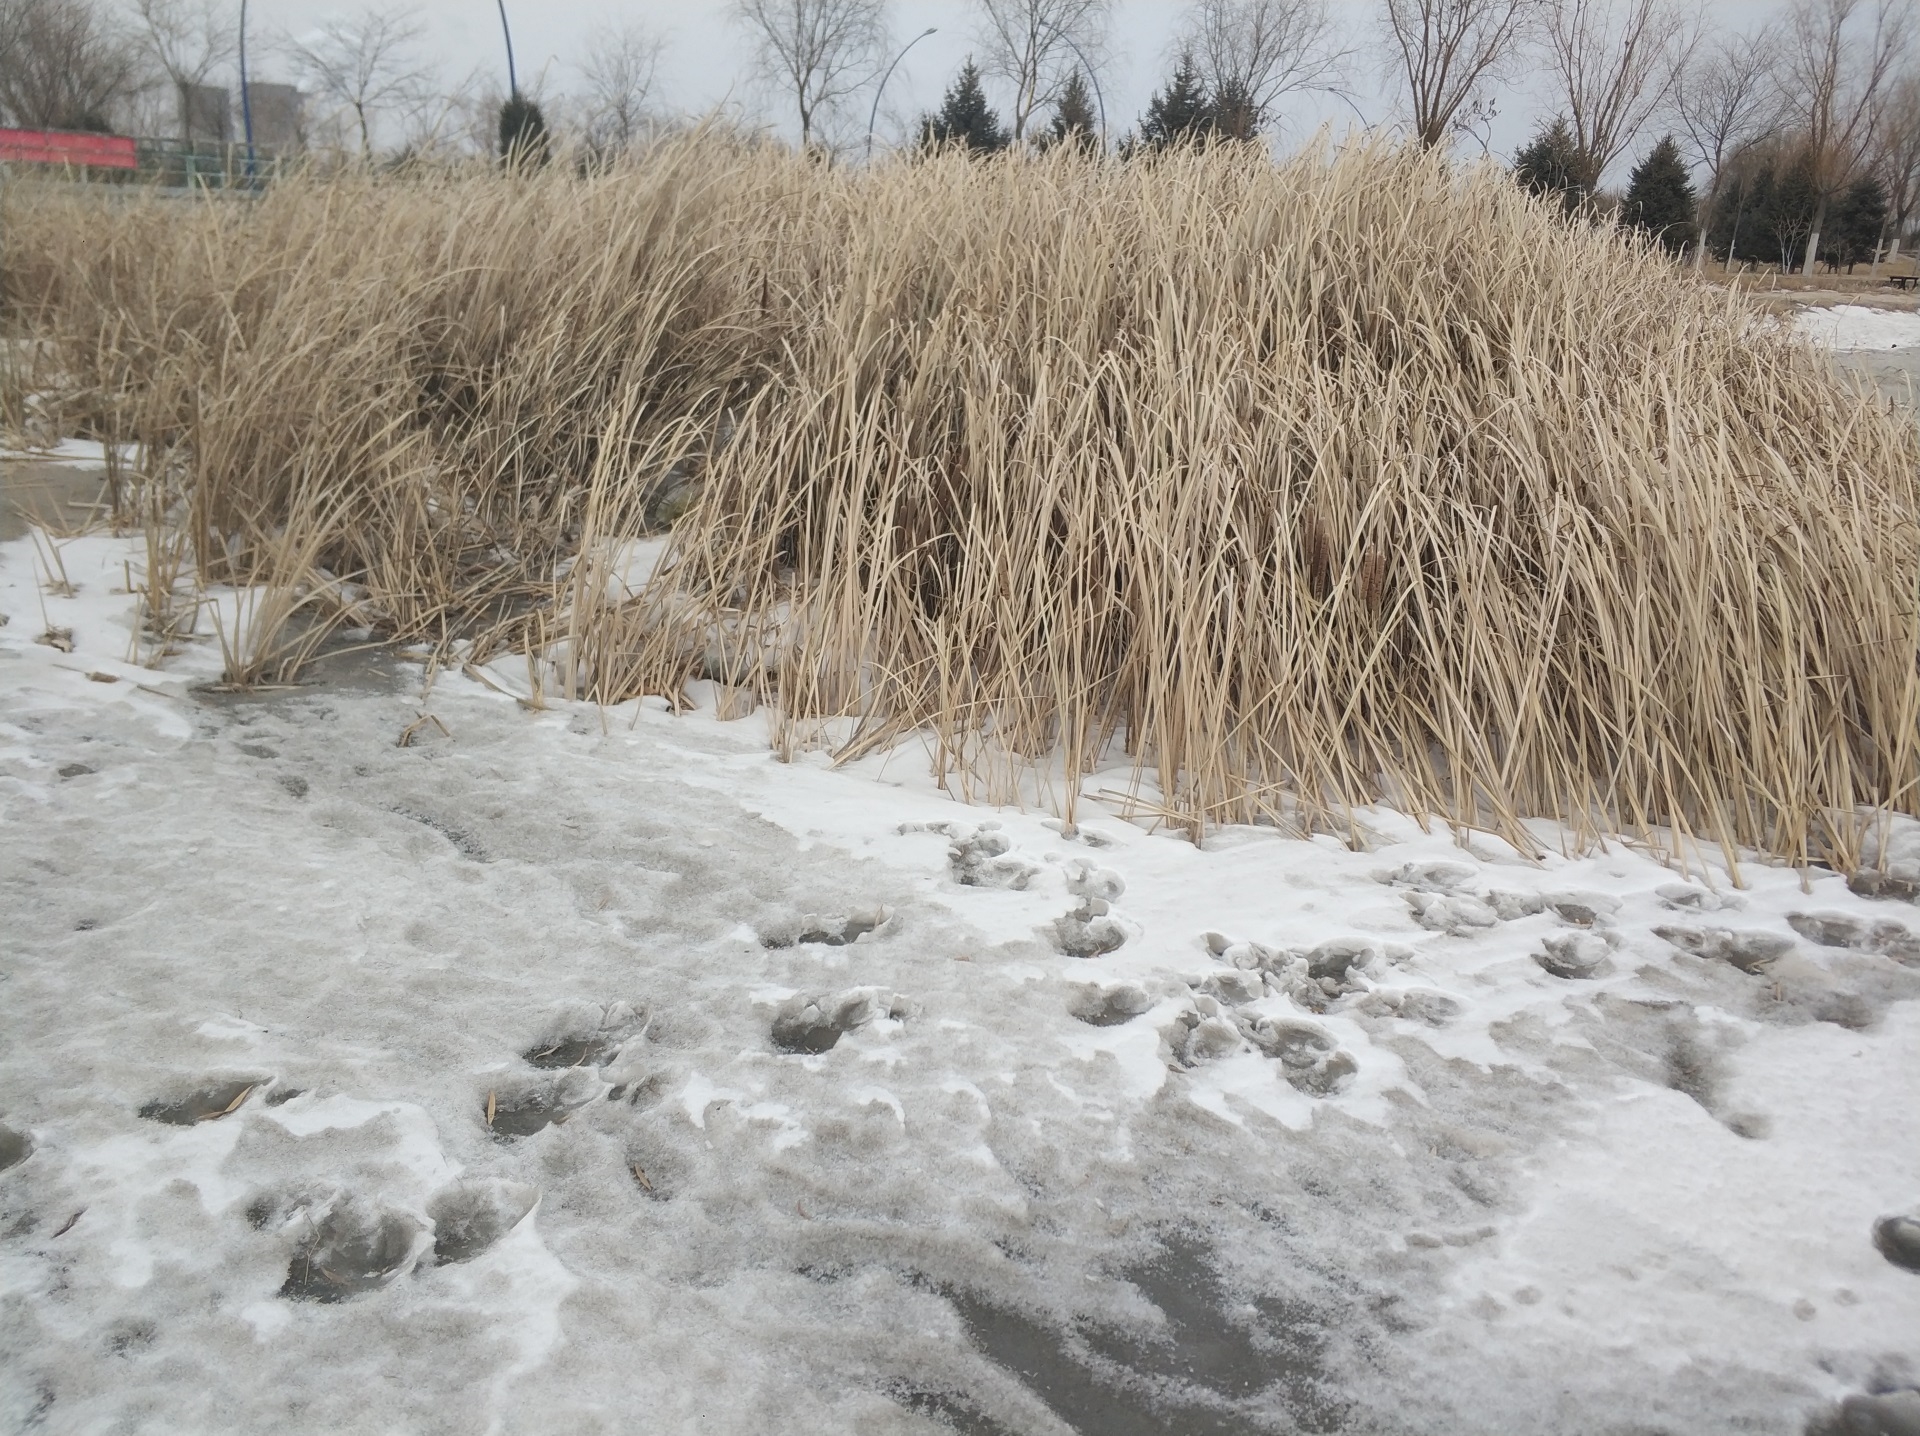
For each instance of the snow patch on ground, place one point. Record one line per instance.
(1850, 327)
(563, 1065)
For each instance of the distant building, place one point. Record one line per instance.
(205, 113)
(279, 116)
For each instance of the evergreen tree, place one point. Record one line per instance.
(1854, 228)
(1232, 113)
(523, 132)
(1551, 164)
(1660, 198)
(1179, 114)
(1073, 117)
(1792, 200)
(964, 117)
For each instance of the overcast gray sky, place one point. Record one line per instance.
(706, 62)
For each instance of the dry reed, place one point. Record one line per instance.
(1301, 487)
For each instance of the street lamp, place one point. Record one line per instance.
(1093, 80)
(513, 85)
(246, 95)
(874, 113)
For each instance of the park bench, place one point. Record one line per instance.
(1903, 281)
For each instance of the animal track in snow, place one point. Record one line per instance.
(812, 1025)
(471, 1216)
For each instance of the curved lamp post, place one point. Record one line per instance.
(513, 85)
(246, 94)
(1092, 79)
(874, 113)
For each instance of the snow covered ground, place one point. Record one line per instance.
(569, 1071)
(1851, 327)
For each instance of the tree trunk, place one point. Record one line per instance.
(1873, 269)
(1705, 223)
(1813, 239)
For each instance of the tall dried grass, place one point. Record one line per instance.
(1300, 487)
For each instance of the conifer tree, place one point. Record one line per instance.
(1551, 164)
(1660, 197)
(1179, 114)
(1073, 118)
(1856, 224)
(523, 132)
(1232, 113)
(965, 118)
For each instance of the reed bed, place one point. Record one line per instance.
(1262, 492)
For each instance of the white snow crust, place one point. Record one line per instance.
(1326, 1142)
(1849, 327)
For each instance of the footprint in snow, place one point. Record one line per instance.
(1111, 1006)
(1893, 1413)
(1310, 1060)
(1748, 951)
(471, 1216)
(980, 857)
(585, 1043)
(15, 1147)
(1825, 929)
(811, 1025)
(1898, 1240)
(1315, 978)
(519, 1109)
(1090, 929)
(1413, 1004)
(1575, 956)
(811, 928)
(208, 1104)
(350, 1247)
(1891, 887)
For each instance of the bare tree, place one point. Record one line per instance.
(1896, 160)
(1839, 60)
(1444, 52)
(64, 65)
(1613, 63)
(618, 72)
(1724, 99)
(188, 40)
(1036, 45)
(365, 65)
(1255, 52)
(819, 51)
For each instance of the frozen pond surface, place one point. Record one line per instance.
(598, 1073)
